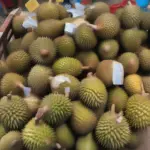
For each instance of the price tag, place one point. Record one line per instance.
(118, 73)
(32, 5)
(70, 28)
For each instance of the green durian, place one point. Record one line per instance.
(3, 68)
(11, 141)
(38, 136)
(42, 51)
(62, 11)
(83, 119)
(59, 109)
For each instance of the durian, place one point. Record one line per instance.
(62, 11)
(146, 83)
(62, 81)
(59, 108)
(112, 130)
(137, 111)
(38, 79)
(93, 92)
(38, 136)
(42, 51)
(11, 141)
(145, 20)
(83, 119)
(18, 61)
(3, 68)
(65, 45)
(119, 13)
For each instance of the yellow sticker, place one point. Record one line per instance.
(59, 1)
(32, 5)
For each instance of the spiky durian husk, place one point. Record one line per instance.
(61, 81)
(85, 37)
(15, 113)
(47, 10)
(42, 43)
(3, 68)
(65, 137)
(11, 141)
(38, 79)
(83, 119)
(67, 65)
(112, 134)
(38, 136)
(27, 40)
(137, 111)
(93, 92)
(14, 45)
(9, 84)
(60, 108)
(18, 61)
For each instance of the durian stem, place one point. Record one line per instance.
(9, 95)
(44, 52)
(40, 113)
(50, 1)
(90, 74)
(85, 67)
(129, 3)
(20, 85)
(113, 108)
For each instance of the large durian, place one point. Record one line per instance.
(11, 141)
(112, 130)
(38, 136)
(58, 107)
(18, 61)
(93, 92)
(42, 51)
(14, 113)
(83, 119)
(38, 79)
(138, 111)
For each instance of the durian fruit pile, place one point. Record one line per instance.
(65, 92)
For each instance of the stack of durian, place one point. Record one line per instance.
(58, 90)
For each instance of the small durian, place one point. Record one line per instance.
(88, 58)
(68, 65)
(62, 11)
(112, 130)
(86, 142)
(130, 62)
(83, 119)
(42, 51)
(119, 97)
(144, 58)
(137, 111)
(38, 79)
(58, 107)
(65, 46)
(108, 49)
(47, 10)
(12, 82)
(3, 68)
(95, 10)
(18, 61)
(65, 137)
(14, 45)
(85, 38)
(33, 103)
(17, 25)
(2, 131)
(11, 141)
(133, 84)
(93, 92)
(14, 113)
(50, 28)
(37, 135)
(27, 40)
(62, 81)
(107, 26)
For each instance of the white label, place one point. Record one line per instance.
(70, 28)
(79, 6)
(26, 91)
(118, 73)
(119, 119)
(30, 23)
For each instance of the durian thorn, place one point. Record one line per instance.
(85, 67)
(113, 108)
(40, 113)
(90, 74)
(44, 52)
(20, 85)
(9, 95)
